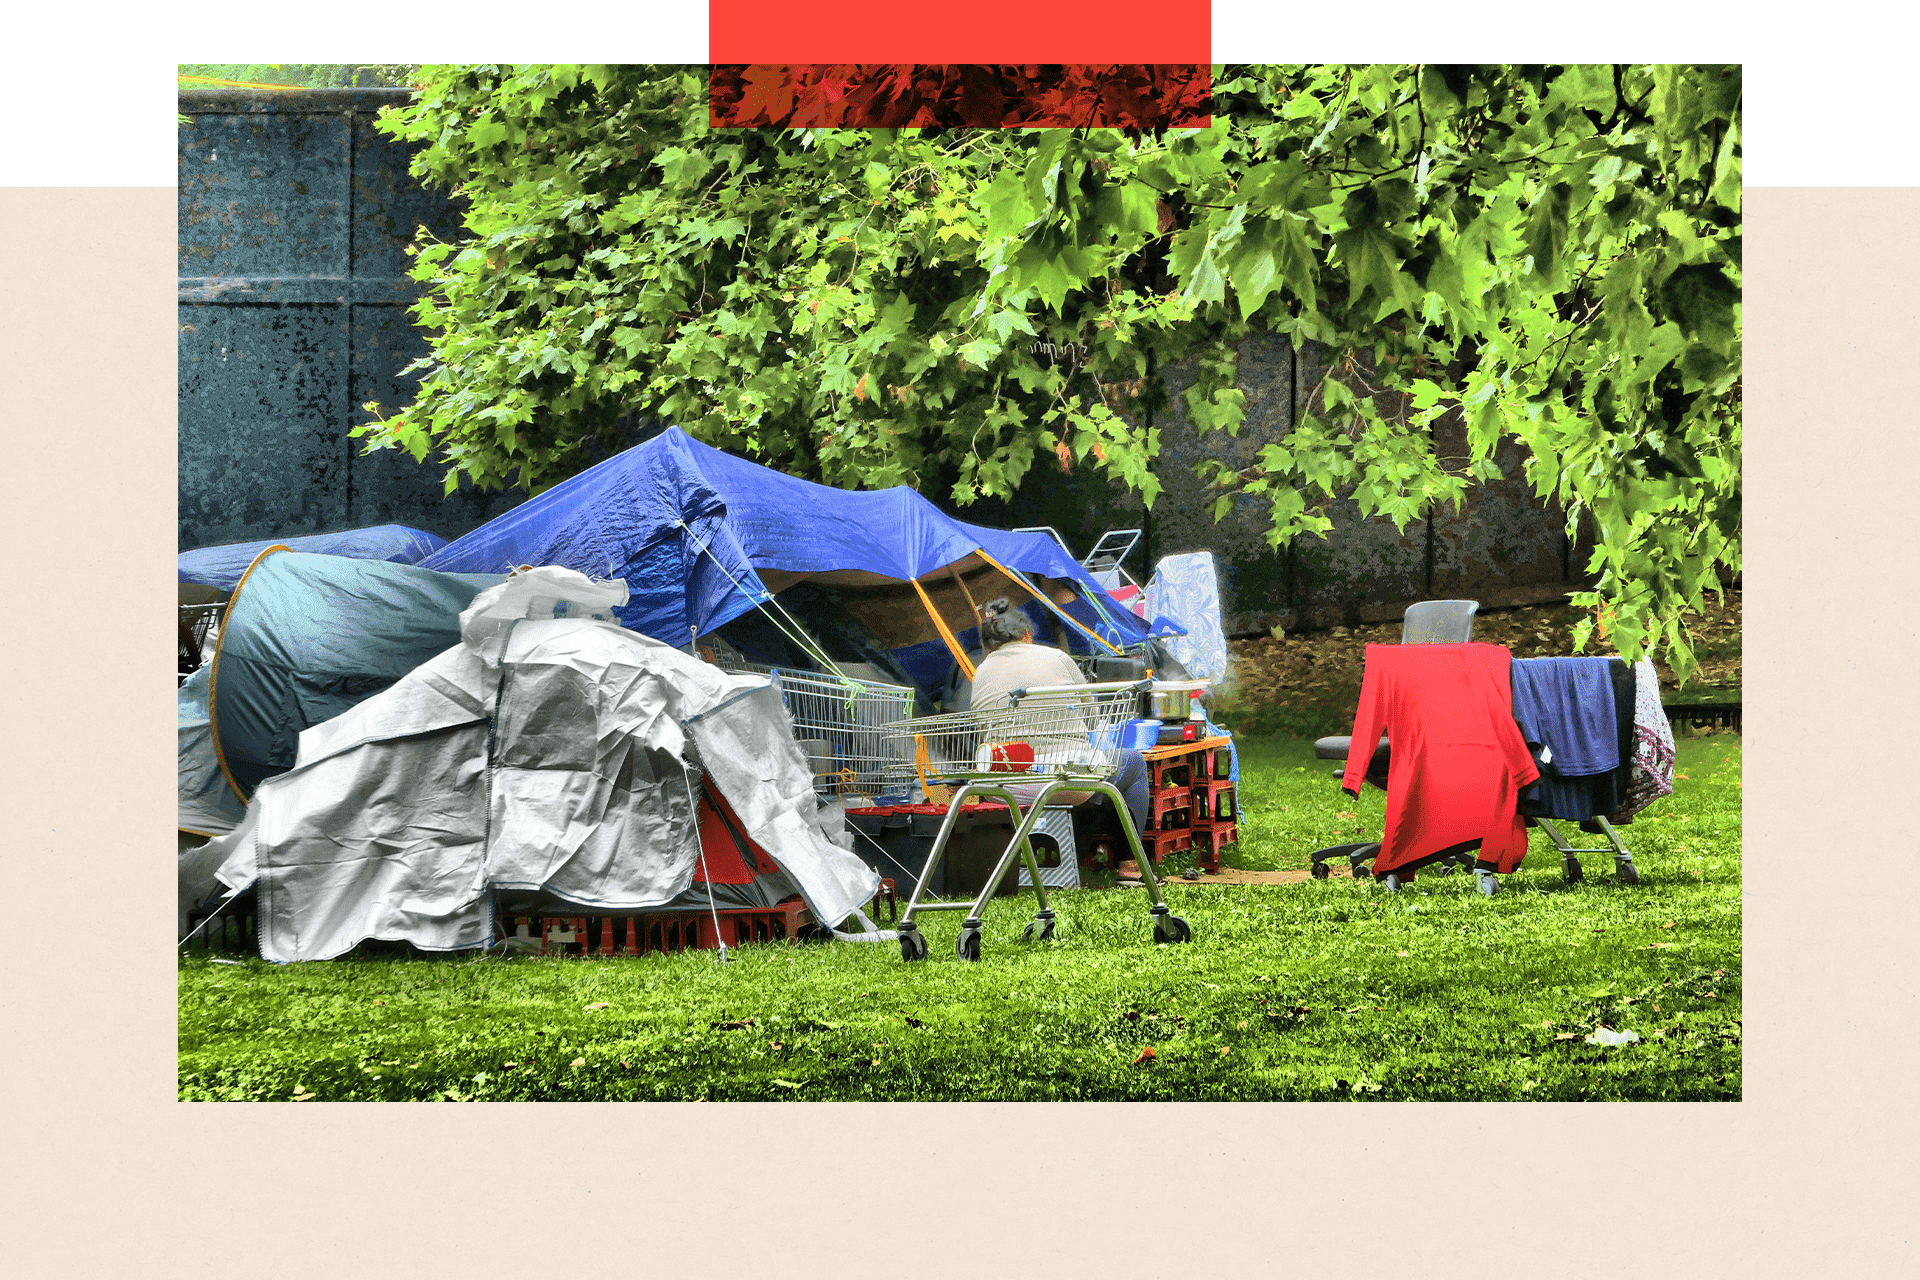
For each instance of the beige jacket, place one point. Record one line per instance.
(1020, 666)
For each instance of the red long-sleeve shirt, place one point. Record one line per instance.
(1458, 760)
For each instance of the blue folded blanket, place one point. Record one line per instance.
(1567, 704)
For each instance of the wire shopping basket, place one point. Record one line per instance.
(1065, 731)
(1046, 743)
(841, 726)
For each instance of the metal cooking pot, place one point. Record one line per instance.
(1171, 701)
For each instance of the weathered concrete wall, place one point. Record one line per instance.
(1503, 547)
(295, 214)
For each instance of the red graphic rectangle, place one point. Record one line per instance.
(960, 95)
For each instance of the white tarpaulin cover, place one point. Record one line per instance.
(554, 753)
(207, 805)
(1186, 589)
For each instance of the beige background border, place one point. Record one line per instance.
(107, 1176)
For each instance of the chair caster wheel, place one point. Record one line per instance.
(1319, 871)
(1038, 931)
(1392, 882)
(1171, 929)
(912, 945)
(968, 947)
(1629, 874)
(1487, 885)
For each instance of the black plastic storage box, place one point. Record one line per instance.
(895, 840)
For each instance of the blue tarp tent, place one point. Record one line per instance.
(222, 566)
(701, 537)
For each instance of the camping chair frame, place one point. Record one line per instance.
(1570, 865)
(977, 750)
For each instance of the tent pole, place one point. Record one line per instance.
(961, 582)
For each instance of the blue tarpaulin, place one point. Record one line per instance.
(222, 566)
(691, 528)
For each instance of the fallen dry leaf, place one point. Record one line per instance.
(1146, 1055)
(578, 1062)
(1568, 1035)
(597, 1004)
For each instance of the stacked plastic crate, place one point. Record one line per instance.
(1191, 804)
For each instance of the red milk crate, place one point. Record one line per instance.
(1173, 771)
(1159, 844)
(663, 931)
(1217, 801)
(1179, 819)
(1166, 801)
(1210, 839)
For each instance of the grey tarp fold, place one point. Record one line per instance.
(402, 814)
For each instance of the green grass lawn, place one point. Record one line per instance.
(1323, 989)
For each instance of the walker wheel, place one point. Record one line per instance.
(1038, 931)
(1171, 929)
(1574, 872)
(968, 948)
(1319, 871)
(1629, 874)
(913, 945)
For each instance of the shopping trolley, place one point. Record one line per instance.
(841, 725)
(1045, 741)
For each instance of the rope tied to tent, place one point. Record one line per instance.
(775, 611)
(946, 633)
(1016, 576)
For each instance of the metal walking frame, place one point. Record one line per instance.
(1058, 738)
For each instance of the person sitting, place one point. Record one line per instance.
(1014, 661)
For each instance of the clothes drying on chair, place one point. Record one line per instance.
(1567, 704)
(1653, 750)
(1587, 795)
(1459, 761)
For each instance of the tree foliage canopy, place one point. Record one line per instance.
(1551, 252)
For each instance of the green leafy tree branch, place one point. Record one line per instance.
(1544, 254)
